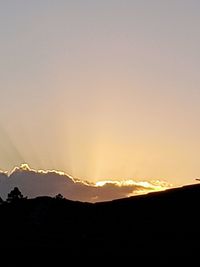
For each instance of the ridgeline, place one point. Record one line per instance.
(157, 224)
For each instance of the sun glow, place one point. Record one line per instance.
(149, 185)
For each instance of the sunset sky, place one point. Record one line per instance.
(101, 90)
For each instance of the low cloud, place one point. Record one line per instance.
(34, 183)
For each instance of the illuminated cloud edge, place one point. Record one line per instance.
(33, 183)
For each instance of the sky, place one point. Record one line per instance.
(102, 90)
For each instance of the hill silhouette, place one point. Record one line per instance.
(157, 224)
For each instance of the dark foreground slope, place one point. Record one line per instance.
(154, 226)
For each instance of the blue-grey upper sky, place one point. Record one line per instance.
(101, 89)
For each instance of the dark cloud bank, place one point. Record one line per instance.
(34, 183)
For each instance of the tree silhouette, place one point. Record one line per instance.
(14, 195)
(1, 200)
(59, 196)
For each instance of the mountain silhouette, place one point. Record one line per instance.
(157, 224)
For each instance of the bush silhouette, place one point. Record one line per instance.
(14, 195)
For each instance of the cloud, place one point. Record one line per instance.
(34, 183)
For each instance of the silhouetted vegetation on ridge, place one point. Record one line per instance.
(149, 222)
(15, 195)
